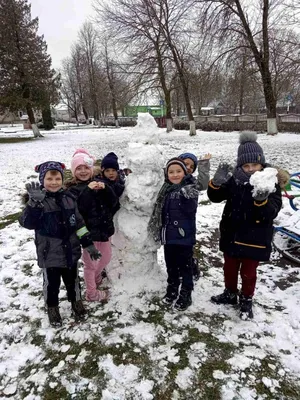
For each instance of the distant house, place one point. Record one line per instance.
(155, 111)
(61, 113)
(214, 107)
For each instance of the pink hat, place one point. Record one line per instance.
(81, 157)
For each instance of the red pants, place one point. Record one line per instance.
(247, 269)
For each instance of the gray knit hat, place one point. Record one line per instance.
(249, 150)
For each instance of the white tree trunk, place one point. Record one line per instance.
(272, 126)
(117, 123)
(192, 128)
(36, 131)
(169, 124)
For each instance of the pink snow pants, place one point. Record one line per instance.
(93, 269)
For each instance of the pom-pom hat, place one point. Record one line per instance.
(249, 150)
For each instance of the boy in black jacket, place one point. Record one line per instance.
(246, 226)
(59, 231)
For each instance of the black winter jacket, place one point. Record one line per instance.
(96, 207)
(246, 227)
(58, 226)
(179, 215)
(118, 187)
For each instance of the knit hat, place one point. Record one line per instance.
(191, 157)
(249, 150)
(110, 161)
(81, 157)
(177, 161)
(43, 168)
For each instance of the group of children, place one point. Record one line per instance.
(80, 212)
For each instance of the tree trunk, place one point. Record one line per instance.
(169, 118)
(35, 129)
(86, 116)
(47, 119)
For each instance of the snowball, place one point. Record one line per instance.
(264, 181)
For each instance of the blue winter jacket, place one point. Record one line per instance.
(179, 214)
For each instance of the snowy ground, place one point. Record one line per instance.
(135, 348)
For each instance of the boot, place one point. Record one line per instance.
(54, 317)
(246, 307)
(171, 295)
(184, 300)
(79, 311)
(227, 297)
(196, 269)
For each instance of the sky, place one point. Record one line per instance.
(59, 22)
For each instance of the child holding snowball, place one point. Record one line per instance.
(246, 226)
(96, 202)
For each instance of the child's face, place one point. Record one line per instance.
(83, 173)
(250, 168)
(111, 174)
(190, 165)
(53, 181)
(175, 173)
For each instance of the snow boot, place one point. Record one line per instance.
(246, 307)
(227, 297)
(79, 311)
(171, 295)
(196, 269)
(54, 317)
(184, 300)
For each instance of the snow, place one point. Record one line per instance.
(133, 347)
(264, 181)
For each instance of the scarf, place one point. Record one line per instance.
(240, 177)
(155, 222)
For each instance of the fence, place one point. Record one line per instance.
(255, 118)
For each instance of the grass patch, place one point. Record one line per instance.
(15, 139)
(9, 219)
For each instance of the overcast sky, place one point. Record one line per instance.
(59, 22)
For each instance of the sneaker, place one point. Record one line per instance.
(227, 297)
(171, 295)
(100, 295)
(78, 310)
(246, 307)
(54, 317)
(196, 269)
(184, 300)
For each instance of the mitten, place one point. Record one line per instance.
(93, 252)
(223, 174)
(36, 194)
(261, 195)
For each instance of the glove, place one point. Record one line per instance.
(261, 196)
(223, 174)
(36, 194)
(93, 252)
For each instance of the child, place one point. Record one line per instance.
(113, 176)
(174, 221)
(59, 231)
(246, 226)
(96, 202)
(191, 162)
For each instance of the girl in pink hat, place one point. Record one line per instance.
(96, 202)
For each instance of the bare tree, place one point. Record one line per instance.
(137, 25)
(249, 23)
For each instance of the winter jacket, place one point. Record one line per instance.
(96, 207)
(246, 227)
(179, 214)
(59, 230)
(117, 186)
